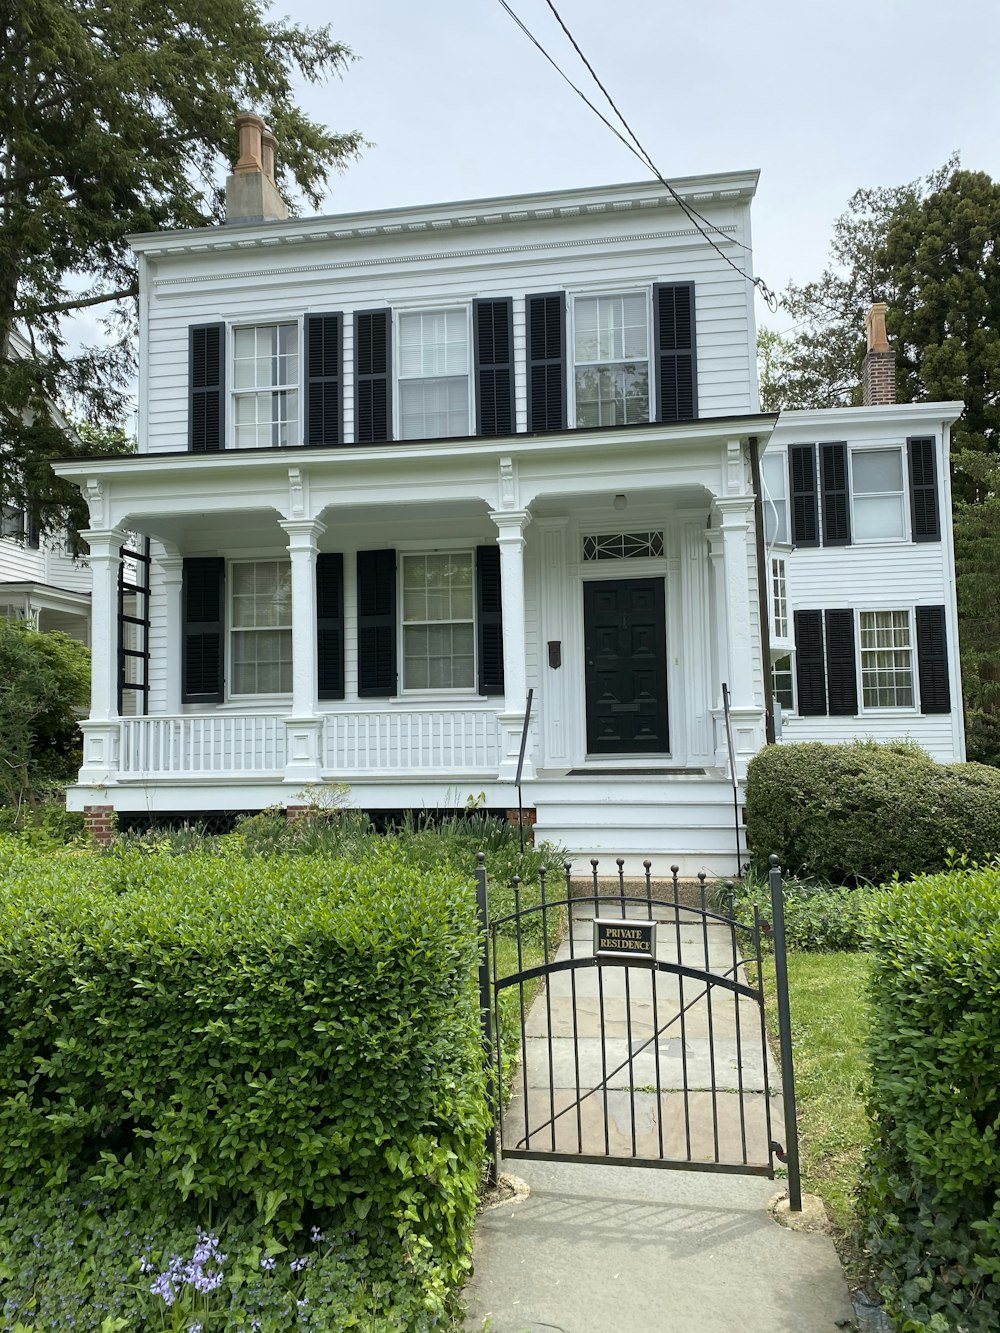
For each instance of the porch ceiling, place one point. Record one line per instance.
(202, 531)
(642, 499)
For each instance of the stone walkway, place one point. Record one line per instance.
(603, 1248)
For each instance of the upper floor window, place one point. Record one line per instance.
(434, 374)
(611, 359)
(15, 522)
(266, 385)
(779, 599)
(439, 621)
(878, 494)
(772, 467)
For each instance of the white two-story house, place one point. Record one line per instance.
(398, 471)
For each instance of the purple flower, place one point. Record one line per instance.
(267, 1263)
(163, 1286)
(316, 1235)
(298, 1264)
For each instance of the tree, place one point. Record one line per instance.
(115, 118)
(44, 687)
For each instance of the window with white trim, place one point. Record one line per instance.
(783, 682)
(266, 386)
(772, 468)
(260, 626)
(439, 629)
(779, 598)
(886, 648)
(434, 374)
(878, 494)
(611, 359)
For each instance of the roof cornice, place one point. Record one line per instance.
(699, 192)
(821, 418)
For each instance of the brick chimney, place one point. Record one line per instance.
(251, 192)
(878, 371)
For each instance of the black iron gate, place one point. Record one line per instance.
(623, 1026)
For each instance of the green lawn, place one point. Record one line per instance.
(827, 993)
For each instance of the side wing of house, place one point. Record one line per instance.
(864, 624)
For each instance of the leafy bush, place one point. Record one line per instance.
(44, 684)
(818, 917)
(931, 1186)
(865, 812)
(293, 1039)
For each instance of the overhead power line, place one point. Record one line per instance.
(635, 147)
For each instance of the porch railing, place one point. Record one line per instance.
(241, 745)
(415, 741)
(354, 743)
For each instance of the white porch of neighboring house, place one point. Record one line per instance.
(627, 595)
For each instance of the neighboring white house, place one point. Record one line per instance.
(397, 469)
(40, 581)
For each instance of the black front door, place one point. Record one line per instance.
(624, 626)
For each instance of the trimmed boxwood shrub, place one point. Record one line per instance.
(867, 812)
(294, 1035)
(931, 1186)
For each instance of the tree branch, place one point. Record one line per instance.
(61, 307)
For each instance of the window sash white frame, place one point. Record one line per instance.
(791, 709)
(779, 457)
(229, 628)
(889, 710)
(409, 550)
(232, 393)
(399, 312)
(583, 294)
(778, 587)
(880, 447)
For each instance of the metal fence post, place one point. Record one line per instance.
(785, 1038)
(486, 1016)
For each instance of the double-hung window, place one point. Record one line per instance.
(439, 631)
(611, 359)
(886, 659)
(783, 682)
(261, 626)
(772, 467)
(878, 495)
(266, 385)
(434, 374)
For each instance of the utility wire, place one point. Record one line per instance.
(635, 146)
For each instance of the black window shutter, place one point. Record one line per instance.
(836, 508)
(376, 624)
(489, 626)
(805, 511)
(546, 317)
(676, 362)
(841, 667)
(203, 600)
(494, 324)
(330, 625)
(810, 667)
(925, 520)
(324, 415)
(932, 660)
(372, 369)
(206, 387)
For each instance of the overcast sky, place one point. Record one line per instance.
(823, 96)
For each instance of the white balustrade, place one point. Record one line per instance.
(355, 743)
(415, 741)
(221, 744)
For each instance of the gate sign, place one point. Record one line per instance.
(619, 940)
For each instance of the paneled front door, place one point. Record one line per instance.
(626, 666)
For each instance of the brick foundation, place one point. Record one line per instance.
(99, 823)
(529, 818)
(294, 812)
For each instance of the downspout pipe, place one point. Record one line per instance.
(763, 575)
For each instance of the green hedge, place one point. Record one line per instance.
(294, 1034)
(866, 812)
(818, 918)
(931, 1188)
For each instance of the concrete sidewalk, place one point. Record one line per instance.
(637, 1249)
(598, 1249)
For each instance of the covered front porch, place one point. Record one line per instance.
(377, 619)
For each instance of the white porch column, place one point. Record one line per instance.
(511, 524)
(303, 727)
(171, 567)
(100, 732)
(739, 645)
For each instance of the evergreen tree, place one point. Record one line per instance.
(118, 117)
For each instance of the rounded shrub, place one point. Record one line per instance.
(864, 812)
